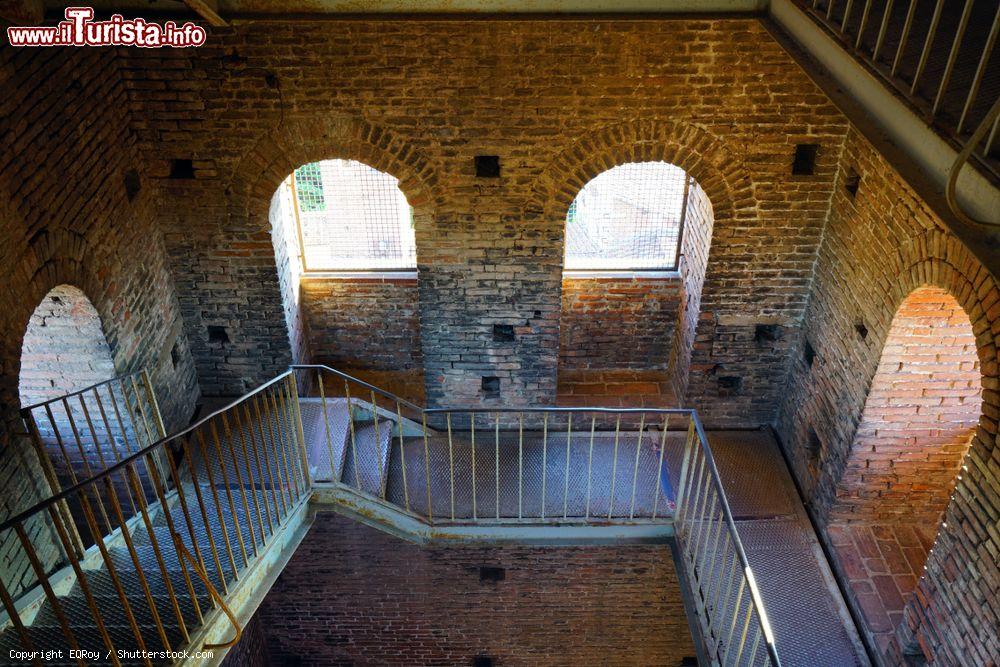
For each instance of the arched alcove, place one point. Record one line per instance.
(345, 250)
(64, 347)
(918, 422)
(636, 248)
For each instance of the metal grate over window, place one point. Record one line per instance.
(352, 218)
(630, 217)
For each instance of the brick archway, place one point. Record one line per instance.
(959, 560)
(721, 197)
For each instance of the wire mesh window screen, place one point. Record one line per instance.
(353, 217)
(629, 217)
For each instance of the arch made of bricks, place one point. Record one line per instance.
(883, 479)
(960, 564)
(703, 156)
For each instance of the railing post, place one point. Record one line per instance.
(297, 411)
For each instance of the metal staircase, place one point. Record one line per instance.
(163, 545)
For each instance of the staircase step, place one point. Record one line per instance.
(326, 430)
(372, 449)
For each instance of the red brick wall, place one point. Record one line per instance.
(879, 246)
(363, 323)
(620, 323)
(919, 416)
(352, 594)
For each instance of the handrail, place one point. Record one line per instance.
(370, 387)
(736, 541)
(110, 470)
(960, 160)
(202, 574)
(26, 411)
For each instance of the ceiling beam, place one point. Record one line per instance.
(208, 10)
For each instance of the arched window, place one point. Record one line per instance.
(352, 217)
(630, 217)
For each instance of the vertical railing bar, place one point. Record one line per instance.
(326, 424)
(43, 580)
(159, 489)
(758, 633)
(980, 70)
(699, 462)
(250, 476)
(154, 407)
(701, 507)
(520, 460)
(50, 473)
(904, 37)
(111, 441)
(635, 468)
(127, 537)
(736, 613)
(121, 421)
(189, 458)
(847, 16)
(182, 499)
(590, 463)
(275, 493)
(863, 25)
(659, 467)
(451, 466)
(402, 458)
(743, 634)
(295, 408)
(284, 483)
(218, 505)
(545, 451)
(569, 438)
(496, 461)
(714, 551)
(227, 487)
(91, 520)
(86, 463)
(931, 33)
(472, 432)
(282, 414)
(829, 11)
(62, 445)
(97, 444)
(614, 467)
(949, 67)
(132, 478)
(883, 27)
(427, 468)
(15, 619)
(721, 597)
(378, 448)
(354, 440)
(142, 411)
(239, 479)
(281, 442)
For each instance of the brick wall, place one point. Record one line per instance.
(620, 323)
(918, 418)
(76, 208)
(259, 100)
(354, 595)
(880, 245)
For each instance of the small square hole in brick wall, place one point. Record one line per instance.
(491, 385)
(852, 181)
(483, 661)
(491, 573)
(689, 661)
(730, 384)
(182, 169)
(808, 353)
(487, 166)
(175, 354)
(217, 334)
(767, 333)
(862, 330)
(503, 333)
(814, 447)
(133, 185)
(804, 162)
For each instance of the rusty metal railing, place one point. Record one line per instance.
(936, 54)
(153, 543)
(501, 466)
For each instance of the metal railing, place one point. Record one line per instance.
(187, 515)
(936, 54)
(559, 465)
(164, 532)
